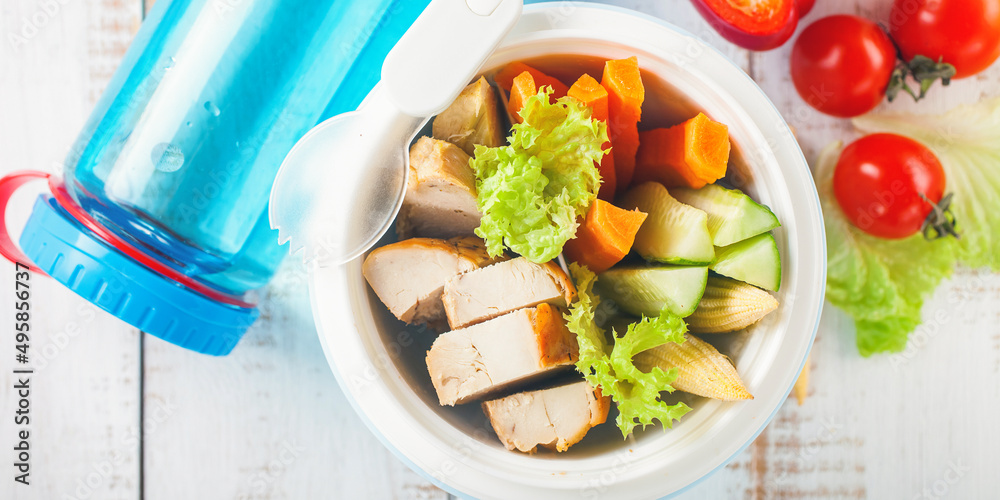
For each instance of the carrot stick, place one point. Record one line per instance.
(623, 82)
(692, 154)
(605, 236)
(588, 91)
(505, 79)
(523, 87)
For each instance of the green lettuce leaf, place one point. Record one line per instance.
(636, 393)
(967, 141)
(531, 192)
(881, 283)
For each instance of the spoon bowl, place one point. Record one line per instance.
(343, 182)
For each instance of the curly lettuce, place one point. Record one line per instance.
(881, 283)
(532, 192)
(636, 393)
(967, 141)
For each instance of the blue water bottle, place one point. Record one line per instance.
(161, 216)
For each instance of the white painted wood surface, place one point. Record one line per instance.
(268, 422)
(86, 391)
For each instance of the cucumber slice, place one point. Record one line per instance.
(732, 215)
(754, 260)
(647, 290)
(673, 232)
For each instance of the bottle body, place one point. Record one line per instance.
(180, 153)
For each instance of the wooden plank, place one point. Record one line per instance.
(57, 57)
(869, 428)
(267, 421)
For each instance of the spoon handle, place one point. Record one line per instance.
(443, 50)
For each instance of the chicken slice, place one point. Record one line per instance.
(472, 119)
(500, 354)
(504, 287)
(440, 200)
(409, 276)
(554, 418)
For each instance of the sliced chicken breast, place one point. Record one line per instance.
(554, 418)
(409, 276)
(498, 355)
(504, 287)
(440, 200)
(472, 119)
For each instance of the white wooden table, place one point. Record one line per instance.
(121, 415)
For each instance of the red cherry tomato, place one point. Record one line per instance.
(804, 6)
(879, 180)
(841, 65)
(964, 33)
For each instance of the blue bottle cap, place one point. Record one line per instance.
(71, 254)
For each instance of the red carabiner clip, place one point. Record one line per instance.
(14, 180)
(8, 184)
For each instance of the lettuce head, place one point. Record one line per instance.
(532, 192)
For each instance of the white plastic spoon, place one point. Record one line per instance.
(341, 186)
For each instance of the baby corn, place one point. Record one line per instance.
(801, 387)
(729, 305)
(702, 370)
